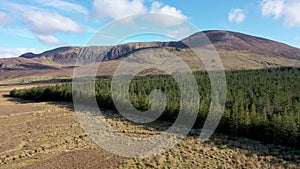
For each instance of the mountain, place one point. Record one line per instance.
(222, 40)
(230, 41)
(68, 55)
(237, 51)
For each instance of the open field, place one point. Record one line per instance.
(48, 135)
(42, 135)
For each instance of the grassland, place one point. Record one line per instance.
(41, 135)
(48, 135)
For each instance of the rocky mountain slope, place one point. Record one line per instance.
(68, 55)
(237, 51)
(222, 40)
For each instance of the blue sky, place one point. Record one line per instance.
(39, 25)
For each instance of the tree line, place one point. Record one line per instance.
(260, 104)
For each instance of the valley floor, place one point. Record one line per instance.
(48, 135)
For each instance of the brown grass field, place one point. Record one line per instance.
(48, 135)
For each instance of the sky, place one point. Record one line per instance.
(39, 25)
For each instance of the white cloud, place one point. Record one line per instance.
(46, 23)
(121, 8)
(43, 23)
(65, 5)
(289, 10)
(50, 40)
(17, 7)
(19, 31)
(237, 15)
(118, 8)
(15, 52)
(4, 18)
(160, 8)
(272, 7)
(179, 33)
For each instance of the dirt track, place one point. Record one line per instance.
(48, 135)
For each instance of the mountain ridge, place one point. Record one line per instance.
(236, 50)
(222, 40)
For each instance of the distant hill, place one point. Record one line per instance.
(237, 51)
(222, 40)
(233, 41)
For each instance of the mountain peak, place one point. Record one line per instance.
(228, 40)
(221, 39)
(236, 50)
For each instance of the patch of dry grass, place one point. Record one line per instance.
(48, 135)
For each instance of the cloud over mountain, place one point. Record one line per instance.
(14, 52)
(43, 22)
(288, 10)
(50, 40)
(237, 15)
(121, 8)
(118, 8)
